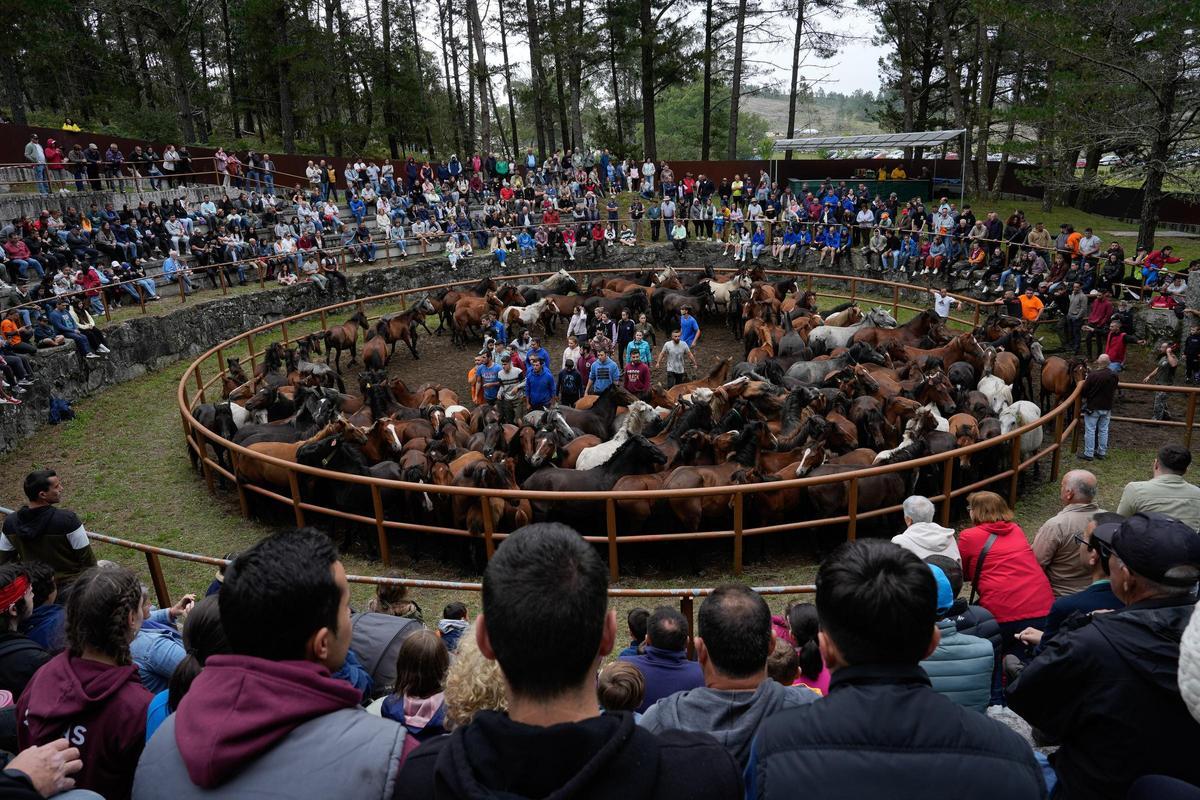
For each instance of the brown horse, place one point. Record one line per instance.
(402, 327)
(469, 313)
(253, 470)
(691, 511)
(234, 378)
(927, 324)
(963, 347)
(345, 337)
(375, 351)
(1059, 378)
(715, 377)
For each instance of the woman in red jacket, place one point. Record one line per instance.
(1011, 584)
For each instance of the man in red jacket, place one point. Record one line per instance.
(637, 376)
(1097, 321)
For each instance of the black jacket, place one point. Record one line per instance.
(20, 657)
(15, 785)
(607, 757)
(49, 534)
(1108, 693)
(884, 732)
(976, 621)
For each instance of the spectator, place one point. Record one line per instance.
(90, 693)
(417, 701)
(973, 620)
(20, 656)
(473, 684)
(452, 624)
(664, 662)
(1003, 569)
(962, 666)
(39, 772)
(47, 624)
(1097, 396)
(1107, 692)
(203, 637)
(285, 608)
(539, 383)
(636, 620)
(803, 629)
(1163, 374)
(620, 687)
(545, 584)
(41, 532)
(877, 607)
(1056, 543)
(392, 598)
(1116, 344)
(1093, 553)
(1031, 305)
(158, 648)
(922, 536)
(732, 647)
(1167, 492)
(783, 665)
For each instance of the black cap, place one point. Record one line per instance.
(1158, 547)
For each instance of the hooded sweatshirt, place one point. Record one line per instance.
(52, 535)
(1012, 585)
(601, 757)
(101, 709)
(731, 717)
(929, 539)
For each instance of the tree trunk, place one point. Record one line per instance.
(512, 105)
(794, 88)
(412, 18)
(537, 70)
(181, 72)
(649, 135)
(287, 120)
(558, 83)
(1011, 127)
(576, 79)
(16, 98)
(230, 75)
(143, 65)
(385, 78)
(735, 88)
(481, 73)
(706, 103)
(1156, 165)
(612, 66)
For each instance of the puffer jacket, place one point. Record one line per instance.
(960, 669)
(1189, 666)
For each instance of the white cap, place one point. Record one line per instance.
(115, 264)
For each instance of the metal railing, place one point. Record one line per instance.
(1064, 417)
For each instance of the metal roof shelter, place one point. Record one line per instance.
(890, 140)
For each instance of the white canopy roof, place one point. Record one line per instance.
(911, 139)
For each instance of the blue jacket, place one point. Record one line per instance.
(642, 347)
(46, 626)
(689, 329)
(157, 650)
(666, 672)
(1098, 596)
(539, 352)
(62, 322)
(960, 669)
(539, 387)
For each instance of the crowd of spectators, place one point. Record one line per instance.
(273, 684)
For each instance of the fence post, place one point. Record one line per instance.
(250, 348)
(179, 283)
(324, 321)
(295, 486)
(895, 300)
(809, 282)
(489, 527)
(737, 532)
(141, 293)
(687, 607)
(221, 279)
(200, 384)
(852, 510)
(1191, 420)
(104, 301)
(1058, 435)
(377, 501)
(975, 324)
(1015, 454)
(610, 517)
(283, 327)
(947, 489)
(158, 580)
(1078, 416)
(853, 289)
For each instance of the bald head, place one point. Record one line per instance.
(1103, 361)
(1078, 486)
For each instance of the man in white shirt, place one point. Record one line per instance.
(648, 170)
(1089, 246)
(942, 303)
(36, 156)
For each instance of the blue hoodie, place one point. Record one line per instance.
(46, 626)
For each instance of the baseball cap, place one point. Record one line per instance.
(115, 264)
(1156, 546)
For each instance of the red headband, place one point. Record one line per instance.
(9, 595)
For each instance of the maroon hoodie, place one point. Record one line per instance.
(239, 707)
(99, 708)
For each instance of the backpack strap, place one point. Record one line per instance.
(979, 567)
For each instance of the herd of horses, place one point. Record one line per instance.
(816, 394)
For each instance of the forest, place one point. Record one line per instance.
(1058, 85)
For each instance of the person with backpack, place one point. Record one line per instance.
(570, 384)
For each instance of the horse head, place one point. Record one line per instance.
(879, 318)
(813, 457)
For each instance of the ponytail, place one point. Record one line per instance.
(802, 620)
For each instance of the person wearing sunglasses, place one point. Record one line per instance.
(1094, 552)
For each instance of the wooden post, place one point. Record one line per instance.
(159, 581)
(852, 510)
(141, 293)
(809, 282)
(687, 607)
(1078, 415)
(1191, 420)
(377, 501)
(221, 280)
(853, 289)
(243, 501)
(250, 349)
(179, 283)
(895, 301)
(610, 518)
(295, 485)
(489, 527)
(975, 324)
(104, 301)
(1015, 454)
(1058, 432)
(947, 488)
(200, 384)
(283, 327)
(738, 505)
(324, 321)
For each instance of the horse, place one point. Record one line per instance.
(261, 472)
(1059, 378)
(826, 338)
(847, 316)
(375, 351)
(345, 337)
(402, 327)
(536, 313)
(721, 290)
(598, 420)
(636, 456)
(560, 282)
(964, 347)
(469, 313)
(234, 377)
(815, 371)
(690, 511)
(640, 415)
(927, 324)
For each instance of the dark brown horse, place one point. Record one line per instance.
(345, 337)
(928, 324)
(402, 327)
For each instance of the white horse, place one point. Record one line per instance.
(830, 337)
(998, 393)
(528, 315)
(721, 290)
(640, 415)
(1018, 415)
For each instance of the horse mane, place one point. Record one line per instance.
(745, 449)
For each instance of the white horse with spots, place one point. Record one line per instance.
(640, 415)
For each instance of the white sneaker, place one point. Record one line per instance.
(25, 382)
(104, 349)
(979, 283)
(91, 355)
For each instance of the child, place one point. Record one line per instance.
(783, 665)
(620, 687)
(452, 624)
(47, 624)
(570, 385)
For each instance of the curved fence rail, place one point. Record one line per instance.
(1064, 418)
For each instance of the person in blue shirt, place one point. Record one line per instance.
(757, 242)
(61, 319)
(525, 242)
(358, 209)
(539, 383)
(489, 374)
(46, 624)
(640, 346)
(537, 351)
(495, 328)
(689, 329)
(174, 270)
(603, 374)
(158, 648)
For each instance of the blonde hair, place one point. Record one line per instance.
(988, 507)
(473, 683)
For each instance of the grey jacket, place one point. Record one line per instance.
(732, 718)
(343, 754)
(960, 669)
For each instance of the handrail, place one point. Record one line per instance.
(198, 437)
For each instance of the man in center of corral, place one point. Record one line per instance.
(546, 621)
